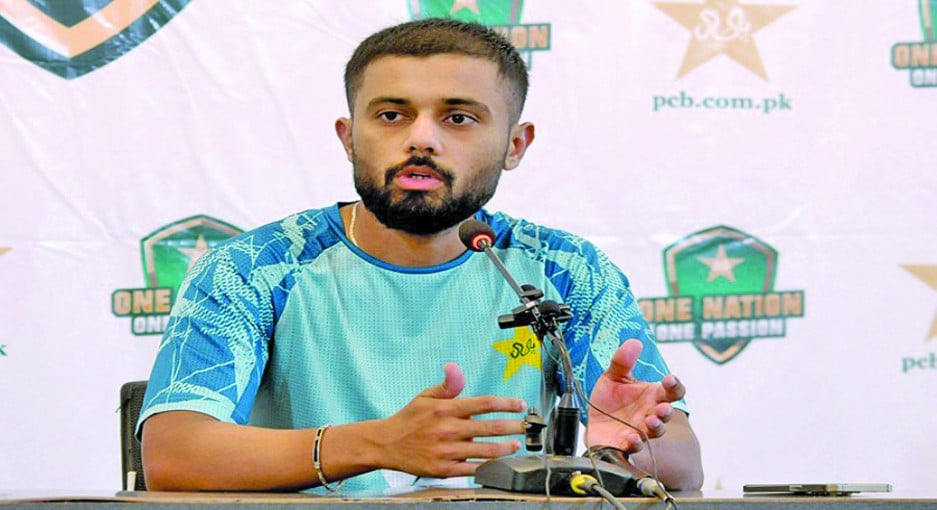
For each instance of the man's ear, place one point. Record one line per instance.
(343, 130)
(522, 135)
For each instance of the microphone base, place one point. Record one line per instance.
(528, 473)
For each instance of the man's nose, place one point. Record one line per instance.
(424, 137)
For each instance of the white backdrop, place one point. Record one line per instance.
(226, 111)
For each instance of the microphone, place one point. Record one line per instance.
(476, 235)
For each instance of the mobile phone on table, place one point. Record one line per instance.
(814, 489)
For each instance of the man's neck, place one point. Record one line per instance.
(396, 246)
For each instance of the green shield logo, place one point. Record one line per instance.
(486, 12)
(74, 37)
(719, 261)
(171, 250)
(502, 16)
(928, 10)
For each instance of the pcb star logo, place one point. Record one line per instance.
(721, 265)
(722, 27)
(522, 349)
(928, 275)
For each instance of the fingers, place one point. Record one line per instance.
(493, 428)
(671, 389)
(471, 406)
(629, 441)
(656, 424)
(452, 385)
(490, 450)
(454, 462)
(623, 361)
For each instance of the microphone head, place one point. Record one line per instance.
(476, 235)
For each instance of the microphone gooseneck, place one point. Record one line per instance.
(557, 468)
(478, 236)
(544, 317)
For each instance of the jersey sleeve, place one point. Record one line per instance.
(213, 353)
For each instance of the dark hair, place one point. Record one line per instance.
(435, 36)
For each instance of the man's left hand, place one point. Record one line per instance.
(642, 404)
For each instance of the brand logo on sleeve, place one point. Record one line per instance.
(71, 38)
(503, 16)
(167, 255)
(721, 295)
(920, 58)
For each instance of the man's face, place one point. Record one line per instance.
(428, 139)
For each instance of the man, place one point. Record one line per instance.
(347, 315)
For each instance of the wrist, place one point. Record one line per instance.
(361, 443)
(377, 452)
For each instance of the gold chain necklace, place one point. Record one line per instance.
(351, 224)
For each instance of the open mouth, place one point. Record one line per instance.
(420, 172)
(418, 178)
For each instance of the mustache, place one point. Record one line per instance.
(444, 173)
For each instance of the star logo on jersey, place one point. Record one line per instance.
(167, 253)
(928, 275)
(522, 349)
(74, 37)
(502, 16)
(720, 283)
(723, 27)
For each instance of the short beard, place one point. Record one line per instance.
(415, 212)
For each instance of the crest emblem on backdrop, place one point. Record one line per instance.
(920, 57)
(71, 38)
(503, 16)
(167, 254)
(720, 285)
(171, 250)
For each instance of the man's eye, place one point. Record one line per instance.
(390, 116)
(460, 119)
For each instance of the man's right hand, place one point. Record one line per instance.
(434, 434)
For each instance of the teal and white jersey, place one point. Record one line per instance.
(292, 326)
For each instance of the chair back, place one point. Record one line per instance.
(131, 401)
